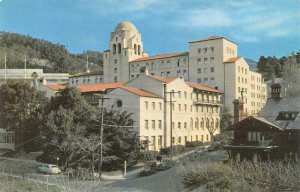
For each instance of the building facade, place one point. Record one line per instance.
(211, 61)
(195, 109)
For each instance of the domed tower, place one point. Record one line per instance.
(125, 45)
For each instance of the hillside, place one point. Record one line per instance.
(44, 54)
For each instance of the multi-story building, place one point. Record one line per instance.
(211, 61)
(195, 109)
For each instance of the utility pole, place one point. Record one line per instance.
(171, 120)
(101, 131)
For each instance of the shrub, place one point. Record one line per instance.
(244, 176)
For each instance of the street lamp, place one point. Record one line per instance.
(57, 159)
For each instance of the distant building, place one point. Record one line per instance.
(41, 78)
(211, 61)
(86, 78)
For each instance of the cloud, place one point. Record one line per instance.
(247, 38)
(205, 18)
(279, 33)
(139, 5)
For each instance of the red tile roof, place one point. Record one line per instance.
(140, 92)
(99, 87)
(164, 79)
(160, 57)
(56, 87)
(231, 60)
(203, 87)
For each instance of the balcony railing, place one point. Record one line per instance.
(207, 102)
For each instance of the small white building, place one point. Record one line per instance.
(195, 108)
(27, 74)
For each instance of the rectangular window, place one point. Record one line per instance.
(173, 139)
(212, 69)
(116, 79)
(199, 50)
(146, 124)
(196, 137)
(116, 61)
(199, 60)
(185, 125)
(205, 60)
(179, 125)
(199, 70)
(153, 105)
(205, 49)
(185, 94)
(115, 70)
(199, 80)
(153, 124)
(159, 124)
(202, 138)
(159, 140)
(212, 59)
(212, 49)
(179, 94)
(185, 107)
(160, 106)
(179, 107)
(179, 140)
(146, 105)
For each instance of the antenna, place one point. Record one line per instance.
(87, 63)
(5, 72)
(25, 68)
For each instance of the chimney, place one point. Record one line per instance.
(144, 70)
(238, 110)
(276, 91)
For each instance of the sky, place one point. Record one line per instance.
(259, 27)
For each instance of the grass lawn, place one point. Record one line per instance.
(11, 184)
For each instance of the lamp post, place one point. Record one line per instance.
(57, 159)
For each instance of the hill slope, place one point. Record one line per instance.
(44, 54)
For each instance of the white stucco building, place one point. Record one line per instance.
(211, 61)
(195, 108)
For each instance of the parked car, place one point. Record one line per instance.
(166, 164)
(48, 168)
(149, 168)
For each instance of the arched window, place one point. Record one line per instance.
(119, 48)
(134, 48)
(139, 50)
(114, 48)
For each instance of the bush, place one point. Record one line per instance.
(193, 144)
(244, 176)
(149, 155)
(176, 149)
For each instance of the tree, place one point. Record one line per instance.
(211, 125)
(21, 109)
(67, 118)
(73, 133)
